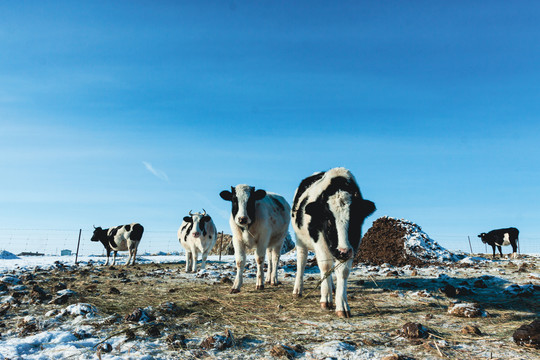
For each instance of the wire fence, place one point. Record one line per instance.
(54, 241)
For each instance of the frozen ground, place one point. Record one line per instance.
(184, 310)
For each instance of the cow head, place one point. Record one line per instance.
(482, 236)
(340, 217)
(198, 221)
(243, 198)
(99, 234)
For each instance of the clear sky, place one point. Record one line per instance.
(139, 111)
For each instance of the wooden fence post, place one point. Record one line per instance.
(220, 245)
(78, 243)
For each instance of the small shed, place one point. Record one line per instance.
(65, 252)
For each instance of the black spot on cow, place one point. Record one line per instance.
(136, 232)
(304, 185)
(278, 204)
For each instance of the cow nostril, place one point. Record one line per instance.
(242, 220)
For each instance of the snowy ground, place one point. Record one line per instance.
(183, 310)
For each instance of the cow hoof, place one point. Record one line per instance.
(343, 314)
(297, 295)
(259, 287)
(275, 284)
(327, 306)
(235, 291)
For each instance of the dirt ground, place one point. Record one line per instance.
(193, 307)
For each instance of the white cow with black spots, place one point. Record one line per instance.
(328, 213)
(197, 234)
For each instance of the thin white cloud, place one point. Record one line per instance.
(157, 173)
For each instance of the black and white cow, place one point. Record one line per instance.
(259, 220)
(197, 234)
(120, 238)
(501, 237)
(328, 213)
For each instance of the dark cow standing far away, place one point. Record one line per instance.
(501, 237)
(120, 238)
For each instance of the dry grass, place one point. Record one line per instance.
(379, 307)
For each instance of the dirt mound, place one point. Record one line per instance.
(400, 242)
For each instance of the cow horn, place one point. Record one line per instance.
(190, 214)
(94, 227)
(204, 212)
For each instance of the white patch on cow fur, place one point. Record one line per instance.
(506, 239)
(340, 204)
(242, 194)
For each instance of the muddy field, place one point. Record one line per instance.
(156, 310)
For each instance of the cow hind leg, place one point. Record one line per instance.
(204, 256)
(276, 253)
(500, 250)
(134, 256)
(259, 258)
(342, 274)
(114, 258)
(195, 255)
(268, 278)
(108, 255)
(301, 258)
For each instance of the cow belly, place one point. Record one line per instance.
(121, 245)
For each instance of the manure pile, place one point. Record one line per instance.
(400, 242)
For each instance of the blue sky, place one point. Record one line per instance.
(139, 111)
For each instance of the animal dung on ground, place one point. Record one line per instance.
(468, 310)
(528, 335)
(218, 342)
(470, 329)
(413, 331)
(399, 242)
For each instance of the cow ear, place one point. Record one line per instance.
(207, 218)
(312, 209)
(188, 219)
(368, 208)
(226, 195)
(259, 194)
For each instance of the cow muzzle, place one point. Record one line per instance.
(196, 234)
(243, 220)
(344, 254)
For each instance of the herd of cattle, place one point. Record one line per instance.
(328, 212)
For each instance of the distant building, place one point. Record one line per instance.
(26, 253)
(65, 252)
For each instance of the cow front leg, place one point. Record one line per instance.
(301, 258)
(108, 254)
(188, 261)
(240, 256)
(342, 274)
(500, 250)
(493, 246)
(325, 263)
(259, 259)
